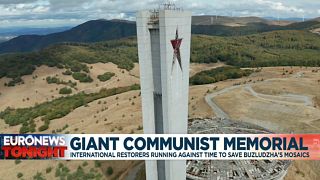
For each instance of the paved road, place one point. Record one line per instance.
(216, 109)
(291, 99)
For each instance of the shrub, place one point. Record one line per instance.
(109, 171)
(65, 90)
(48, 170)
(19, 175)
(60, 66)
(97, 164)
(43, 127)
(53, 80)
(67, 73)
(106, 76)
(65, 126)
(85, 163)
(15, 81)
(24, 129)
(82, 77)
(38, 176)
(57, 173)
(65, 169)
(60, 165)
(81, 174)
(17, 161)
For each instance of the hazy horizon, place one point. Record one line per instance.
(44, 26)
(55, 13)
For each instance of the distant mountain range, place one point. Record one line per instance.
(316, 19)
(101, 30)
(91, 31)
(7, 33)
(227, 21)
(17, 31)
(5, 38)
(243, 21)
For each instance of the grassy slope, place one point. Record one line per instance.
(52, 109)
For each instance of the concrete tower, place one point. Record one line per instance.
(164, 54)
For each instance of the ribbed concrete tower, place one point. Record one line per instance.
(164, 54)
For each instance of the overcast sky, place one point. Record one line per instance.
(44, 13)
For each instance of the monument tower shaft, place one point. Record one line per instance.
(164, 38)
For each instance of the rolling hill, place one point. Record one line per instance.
(227, 21)
(277, 48)
(91, 31)
(7, 33)
(316, 19)
(250, 28)
(239, 46)
(17, 31)
(102, 30)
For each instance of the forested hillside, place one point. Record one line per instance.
(102, 30)
(277, 48)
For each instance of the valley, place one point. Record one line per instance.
(122, 113)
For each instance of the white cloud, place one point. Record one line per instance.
(279, 6)
(16, 1)
(40, 9)
(23, 9)
(40, 23)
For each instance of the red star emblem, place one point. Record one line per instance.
(176, 43)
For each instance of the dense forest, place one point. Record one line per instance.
(218, 74)
(277, 48)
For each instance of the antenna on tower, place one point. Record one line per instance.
(170, 6)
(216, 12)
